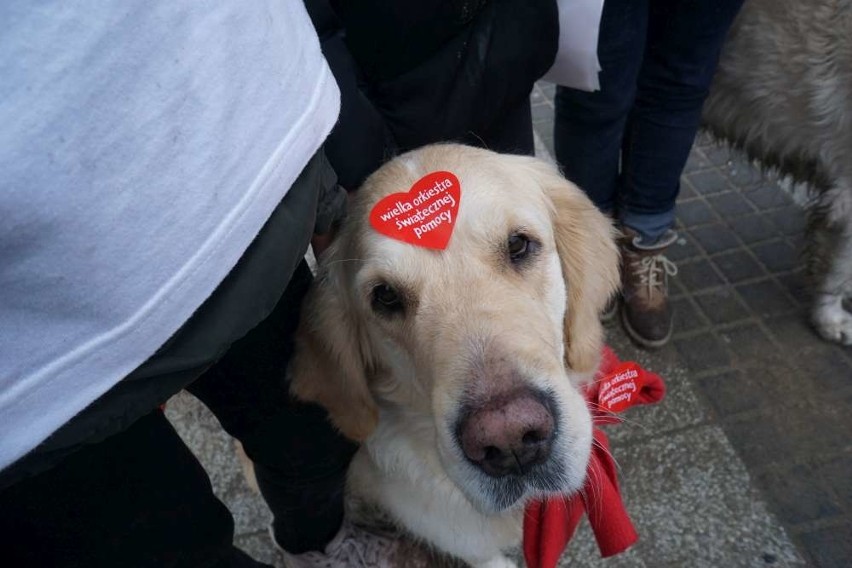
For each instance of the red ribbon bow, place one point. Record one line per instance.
(549, 524)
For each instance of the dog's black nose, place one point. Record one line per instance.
(508, 435)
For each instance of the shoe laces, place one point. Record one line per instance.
(653, 272)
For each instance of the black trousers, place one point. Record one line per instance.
(116, 486)
(626, 145)
(139, 498)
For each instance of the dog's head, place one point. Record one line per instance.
(486, 342)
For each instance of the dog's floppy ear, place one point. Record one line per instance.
(585, 241)
(332, 360)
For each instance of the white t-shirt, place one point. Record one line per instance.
(142, 147)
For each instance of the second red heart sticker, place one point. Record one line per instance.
(620, 388)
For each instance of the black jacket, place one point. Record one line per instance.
(412, 73)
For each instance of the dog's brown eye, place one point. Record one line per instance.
(519, 246)
(386, 299)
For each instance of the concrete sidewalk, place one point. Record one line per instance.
(748, 462)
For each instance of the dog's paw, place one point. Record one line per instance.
(833, 322)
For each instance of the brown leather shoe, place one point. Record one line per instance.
(645, 310)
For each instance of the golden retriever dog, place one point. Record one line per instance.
(783, 93)
(459, 369)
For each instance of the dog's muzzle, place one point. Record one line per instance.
(509, 434)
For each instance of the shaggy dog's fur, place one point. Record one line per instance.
(783, 93)
(476, 326)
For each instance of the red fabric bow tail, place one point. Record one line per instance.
(549, 524)
(548, 527)
(602, 500)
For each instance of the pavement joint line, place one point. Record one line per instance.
(731, 285)
(767, 331)
(800, 529)
(660, 434)
(762, 412)
(745, 247)
(791, 462)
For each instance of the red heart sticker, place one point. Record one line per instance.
(620, 388)
(424, 216)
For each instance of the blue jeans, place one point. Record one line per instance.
(626, 145)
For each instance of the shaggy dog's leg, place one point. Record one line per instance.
(830, 263)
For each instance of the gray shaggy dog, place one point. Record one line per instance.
(783, 93)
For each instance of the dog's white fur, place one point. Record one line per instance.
(398, 383)
(783, 93)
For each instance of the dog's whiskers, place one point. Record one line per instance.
(608, 452)
(619, 417)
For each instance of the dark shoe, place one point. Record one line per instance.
(645, 311)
